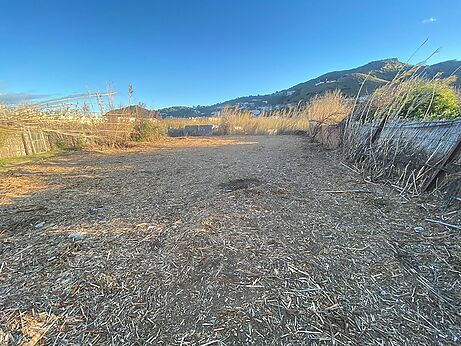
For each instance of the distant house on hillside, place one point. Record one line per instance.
(325, 81)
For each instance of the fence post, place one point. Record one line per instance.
(24, 141)
(45, 146)
(438, 170)
(31, 142)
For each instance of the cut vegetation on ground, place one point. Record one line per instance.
(262, 240)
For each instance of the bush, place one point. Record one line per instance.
(415, 98)
(433, 100)
(147, 130)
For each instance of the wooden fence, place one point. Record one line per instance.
(420, 153)
(330, 135)
(14, 143)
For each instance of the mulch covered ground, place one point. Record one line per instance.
(226, 241)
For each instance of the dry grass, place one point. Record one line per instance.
(236, 121)
(328, 108)
(259, 244)
(83, 124)
(240, 121)
(69, 126)
(377, 141)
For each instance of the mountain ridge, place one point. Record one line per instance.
(375, 74)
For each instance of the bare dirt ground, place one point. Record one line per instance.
(227, 241)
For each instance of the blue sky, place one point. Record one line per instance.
(205, 51)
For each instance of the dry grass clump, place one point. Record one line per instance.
(239, 121)
(80, 124)
(328, 108)
(73, 127)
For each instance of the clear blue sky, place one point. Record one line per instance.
(204, 51)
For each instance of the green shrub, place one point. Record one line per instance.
(433, 100)
(147, 130)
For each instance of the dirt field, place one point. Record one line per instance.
(230, 241)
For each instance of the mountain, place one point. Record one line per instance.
(375, 74)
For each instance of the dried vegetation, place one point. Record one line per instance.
(385, 135)
(258, 241)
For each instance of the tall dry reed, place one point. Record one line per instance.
(380, 136)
